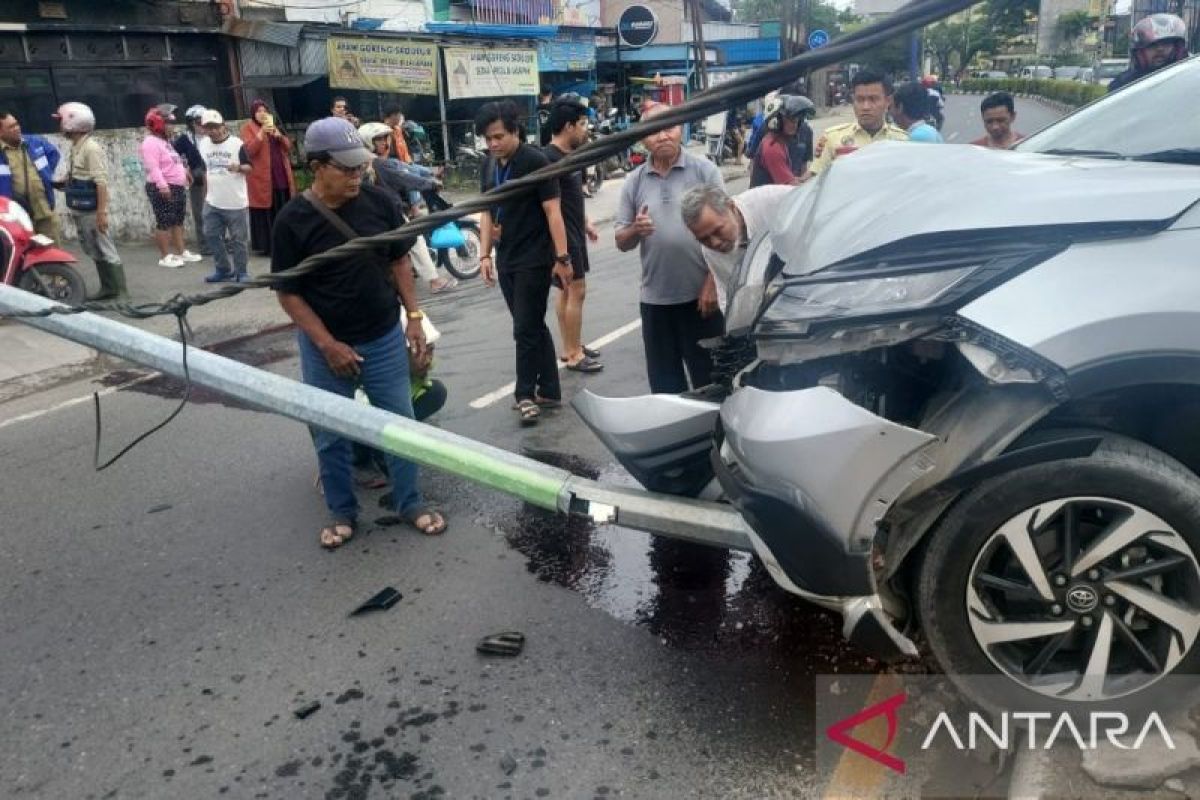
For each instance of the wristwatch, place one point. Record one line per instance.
(565, 258)
(418, 314)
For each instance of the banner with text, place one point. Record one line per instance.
(493, 72)
(383, 65)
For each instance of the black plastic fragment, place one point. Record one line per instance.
(382, 601)
(509, 643)
(307, 710)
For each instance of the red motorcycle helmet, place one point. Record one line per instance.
(1154, 29)
(156, 122)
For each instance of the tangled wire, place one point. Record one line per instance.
(912, 16)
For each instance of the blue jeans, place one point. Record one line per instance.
(414, 197)
(222, 225)
(384, 377)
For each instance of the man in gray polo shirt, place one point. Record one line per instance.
(679, 296)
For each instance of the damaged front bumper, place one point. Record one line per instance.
(809, 473)
(813, 473)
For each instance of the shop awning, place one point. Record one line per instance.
(485, 31)
(279, 81)
(654, 53)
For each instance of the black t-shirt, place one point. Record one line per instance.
(354, 297)
(525, 234)
(570, 190)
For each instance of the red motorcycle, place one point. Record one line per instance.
(32, 262)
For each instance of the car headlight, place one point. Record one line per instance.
(796, 305)
(748, 286)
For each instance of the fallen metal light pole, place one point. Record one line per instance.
(537, 483)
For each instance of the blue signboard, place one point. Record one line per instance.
(567, 53)
(817, 38)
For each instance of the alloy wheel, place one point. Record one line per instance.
(1085, 598)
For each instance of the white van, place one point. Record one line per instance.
(1037, 72)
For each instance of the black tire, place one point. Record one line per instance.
(462, 262)
(59, 282)
(1123, 470)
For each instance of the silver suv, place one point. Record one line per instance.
(970, 401)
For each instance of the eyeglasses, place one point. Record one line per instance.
(348, 171)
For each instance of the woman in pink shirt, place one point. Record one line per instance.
(166, 185)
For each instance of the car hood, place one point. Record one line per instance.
(897, 190)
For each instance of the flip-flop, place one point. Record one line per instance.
(335, 539)
(415, 514)
(509, 643)
(548, 402)
(590, 353)
(586, 364)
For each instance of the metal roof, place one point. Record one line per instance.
(284, 34)
(279, 81)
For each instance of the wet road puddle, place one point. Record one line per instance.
(690, 596)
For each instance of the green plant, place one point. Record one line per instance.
(1072, 93)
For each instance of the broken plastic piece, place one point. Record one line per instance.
(382, 601)
(509, 643)
(307, 710)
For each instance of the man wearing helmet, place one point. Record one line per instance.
(774, 160)
(1155, 42)
(27, 172)
(871, 93)
(187, 144)
(86, 186)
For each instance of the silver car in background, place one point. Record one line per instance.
(963, 397)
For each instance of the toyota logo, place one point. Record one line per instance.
(1082, 599)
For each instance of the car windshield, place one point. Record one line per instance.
(1157, 119)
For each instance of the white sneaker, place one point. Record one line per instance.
(170, 261)
(190, 257)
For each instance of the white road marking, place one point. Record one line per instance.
(74, 401)
(507, 390)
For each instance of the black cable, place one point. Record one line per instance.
(910, 17)
(187, 393)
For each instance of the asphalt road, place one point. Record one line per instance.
(964, 125)
(162, 620)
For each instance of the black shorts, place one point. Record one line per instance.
(579, 265)
(168, 213)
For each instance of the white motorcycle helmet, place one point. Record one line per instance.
(76, 118)
(371, 131)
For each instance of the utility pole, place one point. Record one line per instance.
(698, 37)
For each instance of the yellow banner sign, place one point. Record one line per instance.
(383, 65)
(492, 72)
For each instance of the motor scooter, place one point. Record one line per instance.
(32, 262)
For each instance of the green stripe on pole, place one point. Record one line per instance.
(527, 484)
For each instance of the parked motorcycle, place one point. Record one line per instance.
(33, 263)
(599, 173)
(455, 246)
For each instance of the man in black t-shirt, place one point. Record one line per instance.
(568, 124)
(531, 246)
(347, 316)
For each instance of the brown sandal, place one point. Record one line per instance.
(332, 537)
(528, 412)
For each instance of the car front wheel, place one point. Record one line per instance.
(1076, 580)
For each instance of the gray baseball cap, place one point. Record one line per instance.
(339, 138)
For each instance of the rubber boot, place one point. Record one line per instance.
(118, 282)
(108, 289)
